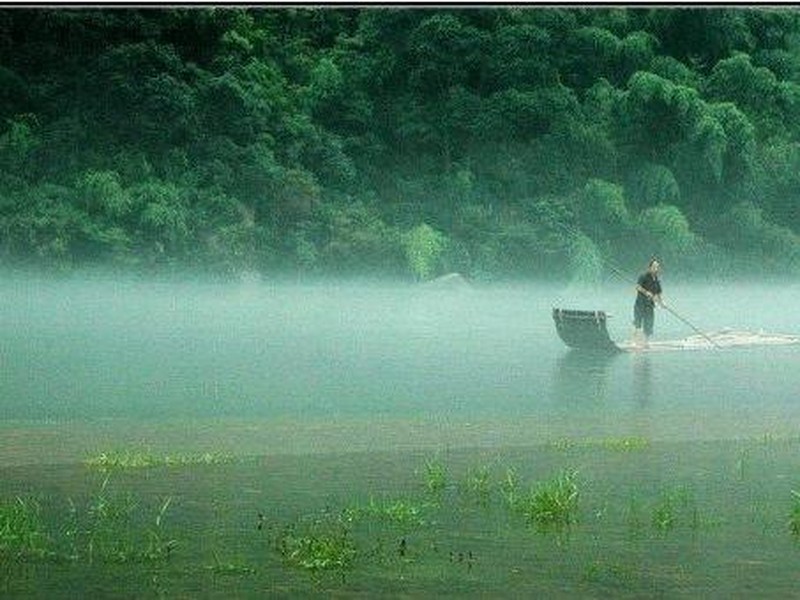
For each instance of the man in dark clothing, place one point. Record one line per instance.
(648, 294)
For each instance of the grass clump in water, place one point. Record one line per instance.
(794, 515)
(601, 572)
(614, 444)
(230, 568)
(553, 503)
(21, 532)
(679, 508)
(399, 512)
(479, 485)
(142, 460)
(114, 531)
(509, 487)
(435, 477)
(664, 515)
(324, 546)
(625, 444)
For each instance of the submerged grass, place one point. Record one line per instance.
(552, 503)
(114, 531)
(229, 568)
(394, 539)
(478, 484)
(407, 513)
(22, 536)
(615, 444)
(435, 477)
(509, 487)
(129, 459)
(794, 514)
(319, 546)
(108, 530)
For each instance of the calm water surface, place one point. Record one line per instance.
(480, 364)
(334, 394)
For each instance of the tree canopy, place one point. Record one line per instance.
(500, 142)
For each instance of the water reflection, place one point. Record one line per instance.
(585, 378)
(582, 377)
(642, 378)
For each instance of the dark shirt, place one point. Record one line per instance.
(651, 283)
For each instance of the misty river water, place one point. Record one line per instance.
(335, 394)
(393, 364)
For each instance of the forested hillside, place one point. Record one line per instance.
(499, 142)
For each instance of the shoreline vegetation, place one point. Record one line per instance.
(500, 143)
(591, 516)
(133, 442)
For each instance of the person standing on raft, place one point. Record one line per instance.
(648, 294)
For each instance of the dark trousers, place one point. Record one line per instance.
(643, 318)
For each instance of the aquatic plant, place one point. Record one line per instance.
(625, 444)
(672, 505)
(509, 487)
(633, 514)
(563, 444)
(478, 484)
(327, 551)
(22, 535)
(109, 534)
(229, 568)
(114, 534)
(128, 459)
(324, 548)
(794, 515)
(122, 460)
(435, 477)
(205, 458)
(618, 444)
(159, 548)
(551, 503)
(601, 572)
(664, 517)
(741, 464)
(400, 512)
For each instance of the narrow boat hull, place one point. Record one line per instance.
(584, 329)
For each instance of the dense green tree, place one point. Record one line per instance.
(603, 210)
(669, 229)
(527, 140)
(592, 52)
(652, 184)
(423, 246)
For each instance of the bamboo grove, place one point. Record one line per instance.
(498, 142)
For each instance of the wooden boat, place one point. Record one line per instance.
(584, 329)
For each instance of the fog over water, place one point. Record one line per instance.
(481, 358)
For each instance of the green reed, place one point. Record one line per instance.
(159, 547)
(664, 515)
(229, 568)
(478, 484)
(403, 512)
(614, 444)
(322, 545)
(509, 487)
(794, 514)
(113, 530)
(435, 477)
(22, 535)
(552, 503)
(129, 459)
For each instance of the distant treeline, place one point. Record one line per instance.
(496, 142)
